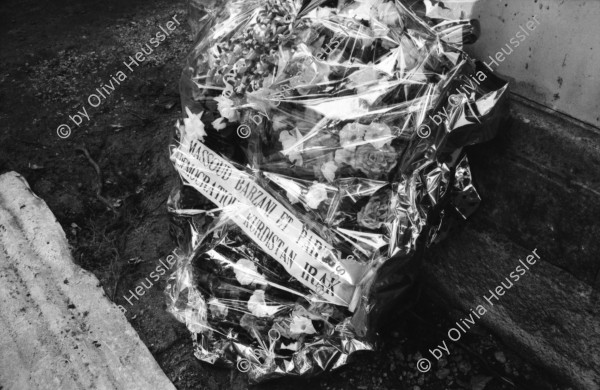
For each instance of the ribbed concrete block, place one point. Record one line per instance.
(58, 330)
(548, 316)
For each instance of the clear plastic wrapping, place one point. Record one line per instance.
(321, 151)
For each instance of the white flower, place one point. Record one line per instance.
(293, 192)
(320, 13)
(217, 308)
(352, 135)
(363, 79)
(311, 74)
(261, 100)
(378, 135)
(362, 9)
(219, 123)
(226, 108)
(316, 194)
(408, 56)
(288, 140)
(388, 13)
(366, 36)
(344, 156)
(258, 306)
(328, 170)
(301, 325)
(246, 273)
(290, 347)
(278, 122)
(193, 127)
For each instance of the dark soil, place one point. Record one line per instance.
(53, 56)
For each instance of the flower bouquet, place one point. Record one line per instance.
(313, 172)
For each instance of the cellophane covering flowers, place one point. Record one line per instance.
(321, 151)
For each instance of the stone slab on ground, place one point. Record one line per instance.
(540, 188)
(548, 316)
(58, 330)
